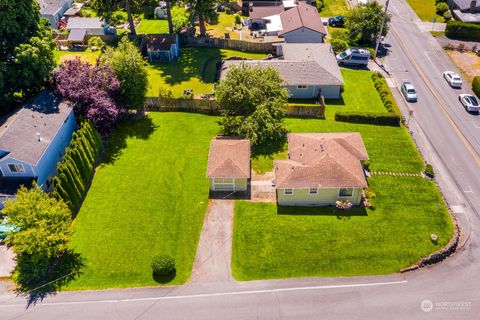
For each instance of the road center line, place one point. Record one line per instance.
(218, 294)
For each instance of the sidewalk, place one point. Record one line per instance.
(430, 26)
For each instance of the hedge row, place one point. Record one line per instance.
(463, 30)
(476, 85)
(75, 170)
(386, 118)
(385, 94)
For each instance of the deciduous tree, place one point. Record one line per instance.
(364, 22)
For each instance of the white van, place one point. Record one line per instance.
(354, 57)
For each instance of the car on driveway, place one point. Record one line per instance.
(469, 102)
(337, 22)
(408, 91)
(453, 79)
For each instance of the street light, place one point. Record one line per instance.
(379, 37)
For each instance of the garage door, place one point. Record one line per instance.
(224, 184)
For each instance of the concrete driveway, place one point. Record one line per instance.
(214, 252)
(7, 262)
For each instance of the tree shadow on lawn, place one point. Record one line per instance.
(190, 65)
(323, 211)
(141, 129)
(60, 272)
(270, 150)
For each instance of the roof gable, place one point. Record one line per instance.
(302, 15)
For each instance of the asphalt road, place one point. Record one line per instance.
(448, 138)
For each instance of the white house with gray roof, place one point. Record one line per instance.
(53, 10)
(309, 70)
(33, 140)
(466, 10)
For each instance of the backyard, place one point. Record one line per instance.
(148, 197)
(87, 55)
(334, 8)
(153, 26)
(186, 73)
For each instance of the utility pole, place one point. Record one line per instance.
(379, 37)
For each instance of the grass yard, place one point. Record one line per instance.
(425, 10)
(186, 73)
(359, 95)
(300, 242)
(334, 8)
(153, 26)
(148, 197)
(87, 55)
(226, 22)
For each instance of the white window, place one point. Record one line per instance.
(345, 192)
(16, 167)
(302, 86)
(287, 192)
(313, 191)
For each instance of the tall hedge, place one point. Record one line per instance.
(476, 85)
(385, 94)
(76, 167)
(386, 118)
(462, 30)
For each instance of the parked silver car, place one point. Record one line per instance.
(469, 102)
(408, 91)
(453, 79)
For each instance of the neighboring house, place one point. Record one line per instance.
(466, 10)
(80, 28)
(53, 10)
(309, 70)
(161, 47)
(33, 140)
(229, 164)
(321, 169)
(295, 23)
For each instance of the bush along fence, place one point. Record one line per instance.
(385, 94)
(385, 118)
(462, 30)
(476, 85)
(76, 168)
(210, 106)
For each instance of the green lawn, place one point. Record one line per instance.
(186, 73)
(334, 8)
(147, 26)
(148, 197)
(225, 23)
(359, 95)
(87, 56)
(425, 10)
(300, 242)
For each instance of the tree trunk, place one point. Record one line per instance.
(201, 22)
(130, 17)
(169, 17)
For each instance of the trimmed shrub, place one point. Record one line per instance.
(339, 45)
(429, 171)
(441, 8)
(385, 94)
(96, 42)
(463, 30)
(447, 16)
(163, 265)
(439, 1)
(476, 85)
(386, 118)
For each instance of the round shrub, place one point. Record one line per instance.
(163, 265)
(339, 45)
(447, 16)
(438, 1)
(441, 8)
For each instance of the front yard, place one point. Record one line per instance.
(425, 10)
(149, 196)
(334, 8)
(195, 70)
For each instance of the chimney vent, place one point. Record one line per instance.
(38, 136)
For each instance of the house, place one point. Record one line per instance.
(321, 168)
(80, 28)
(228, 165)
(465, 10)
(53, 10)
(161, 47)
(309, 70)
(295, 23)
(33, 140)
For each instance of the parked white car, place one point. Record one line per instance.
(408, 91)
(469, 102)
(453, 79)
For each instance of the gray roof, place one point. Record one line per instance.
(321, 53)
(77, 35)
(44, 116)
(84, 23)
(464, 5)
(48, 7)
(304, 64)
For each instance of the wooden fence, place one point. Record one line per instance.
(208, 106)
(261, 47)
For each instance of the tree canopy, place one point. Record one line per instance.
(203, 10)
(130, 69)
(364, 22)
(26, 58)
(253, 104)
